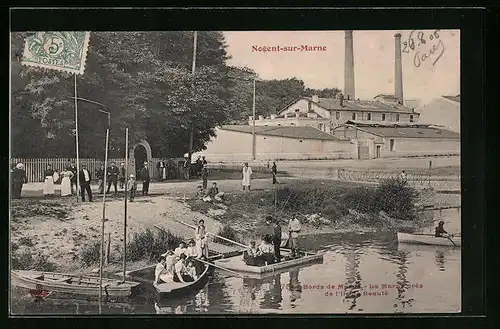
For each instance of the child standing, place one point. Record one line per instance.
(131, 187)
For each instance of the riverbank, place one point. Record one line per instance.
(321, 207)
(56, 232)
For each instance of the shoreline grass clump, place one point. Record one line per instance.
(226, 231)
(24, 260)
(147, 245)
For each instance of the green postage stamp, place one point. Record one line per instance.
(63, 51)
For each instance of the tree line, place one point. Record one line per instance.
(144, 79)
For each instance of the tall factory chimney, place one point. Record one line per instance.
(398, 69)
(349, 67)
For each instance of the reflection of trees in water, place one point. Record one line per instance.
(273, 297)
(352, 287)
(294, 286)
(402, 284)
(439, 260)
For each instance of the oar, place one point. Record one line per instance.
(218, 236)
(221, 268)
(449, 238)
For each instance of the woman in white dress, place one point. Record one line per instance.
(48, 186)
(66, 182)
(247, 176)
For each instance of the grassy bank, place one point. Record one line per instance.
(320, 207)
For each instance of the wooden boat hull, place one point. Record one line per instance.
(62, 283)
(237, 264)
(428, 240)
(173, 289)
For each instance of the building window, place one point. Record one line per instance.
(297, 110)
(391, 144)
(279, 124)
(300, 141)
(337, 115)
(309, 107)
(292, 124)
(369, 116)
(383, 116)
(320, 126)
(397, 116)
(411, 118)
(354, 116)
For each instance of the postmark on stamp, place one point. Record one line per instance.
(64, 51)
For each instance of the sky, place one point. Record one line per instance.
(374, 53)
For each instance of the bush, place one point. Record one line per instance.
(25, 261)
(145, 245)
(227, 232)
(360, 199)
(91, 254)
(397, 199)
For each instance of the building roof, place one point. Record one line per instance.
(406, 130)
(333, 104)
(453, 98)
(386, 96)
(290, 132)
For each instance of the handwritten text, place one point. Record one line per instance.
(424, 47)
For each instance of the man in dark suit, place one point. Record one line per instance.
(145, 179)
(85, 178)
(113, 172)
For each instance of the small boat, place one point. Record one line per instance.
(429, 239)
(237, 264)
(172, 289)
(62, 283)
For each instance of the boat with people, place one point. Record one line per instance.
(429, 239)
(71, 284)
(172, 289)
(237, 263)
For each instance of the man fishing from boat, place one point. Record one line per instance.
(294, 228)
(162, 275)
(440, 231)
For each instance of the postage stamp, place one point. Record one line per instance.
(64, 51)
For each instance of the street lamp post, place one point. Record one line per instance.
(253, 123)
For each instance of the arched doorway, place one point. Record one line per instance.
(140, 156)
(140, 153)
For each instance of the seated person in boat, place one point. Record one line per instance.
(193, 253)
(265, 252)
(440, 232)
(169, 260)
(161, 273)
(250, 254)
(191, 271)
(180, 271)
(181, 249)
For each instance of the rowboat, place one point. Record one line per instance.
(62, 283)
(172, 289)
(237, 264)
(429, 239)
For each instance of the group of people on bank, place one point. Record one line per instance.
(182, 264)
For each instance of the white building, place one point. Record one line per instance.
(444, 111)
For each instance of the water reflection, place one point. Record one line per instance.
(440, 259)
(402, 283)
(353, 283)
(273, 297)
(295, 287)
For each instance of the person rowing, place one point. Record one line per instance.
(440, 231)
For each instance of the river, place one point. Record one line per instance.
(360, 273)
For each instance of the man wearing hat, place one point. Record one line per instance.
(18, 179)
(131, 187)
(145, 179)
(440, 232)
(122, 175)
(112, 173)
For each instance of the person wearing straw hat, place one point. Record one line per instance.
(131, 187)
(18, 179)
